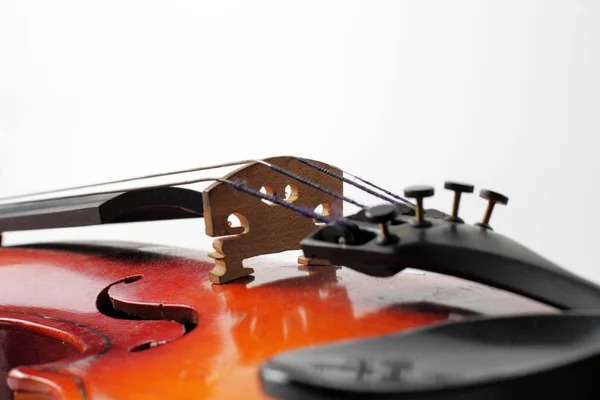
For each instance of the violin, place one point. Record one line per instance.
(394, 301)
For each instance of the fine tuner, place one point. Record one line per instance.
(386, 213)
(383, 240)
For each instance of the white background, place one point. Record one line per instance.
(502, 94)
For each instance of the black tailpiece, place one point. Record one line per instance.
(517, 357)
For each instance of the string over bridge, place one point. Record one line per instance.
(255, 194)
(264, 227)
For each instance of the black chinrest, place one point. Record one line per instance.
(517, 357)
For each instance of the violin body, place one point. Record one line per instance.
(116, 320)
(123, 321)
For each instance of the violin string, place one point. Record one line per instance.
(271, 166)
(277, 200)
(392, 194)
(311, 184)
(178, 172)
(351, 182)
(197, 169)
(407, 202)
(157, 175)
(236, 185)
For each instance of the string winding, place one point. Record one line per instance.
(402, 199)
(351, 182)
(312, 184)
(245, 188)
(279, 201)
(236, 185)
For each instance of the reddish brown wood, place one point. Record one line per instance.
(56, 294)
(22, 344)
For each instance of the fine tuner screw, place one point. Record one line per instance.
(458, 189)
(382, 215)
(419, 193)
(492, 198)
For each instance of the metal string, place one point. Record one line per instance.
(139, 178)
(234, 163)
(271, 166)
(311, 184)
(349, 181)
(392, 194)
(278, 200)
(236, 185)
(381, 189)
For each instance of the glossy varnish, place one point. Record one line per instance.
(132, 322)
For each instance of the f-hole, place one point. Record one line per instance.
(112, 307)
